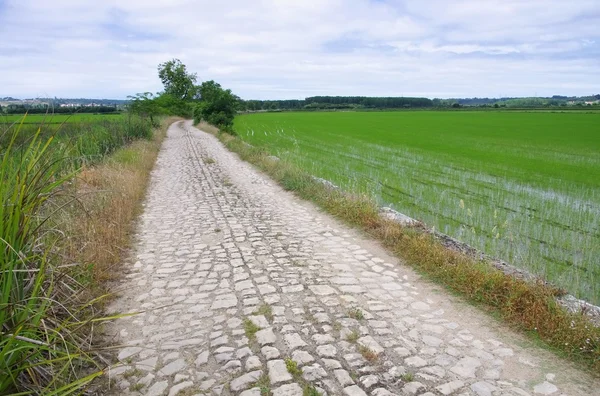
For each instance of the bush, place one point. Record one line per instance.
(217, 106)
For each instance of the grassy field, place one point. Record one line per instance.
(524, 187)
(55, 118)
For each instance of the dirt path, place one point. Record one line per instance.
(218, 241)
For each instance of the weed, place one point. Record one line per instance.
(250, 328)
(265, 310)
(337, 326)
(292, 368)
(136, 387)
(353, 336)
(356, 313)
(217, 230)
(191, 391)
(367, 353)
(310, 390)
(408, 377)
(208, 160)
(132, 373)
(309, 316)
(264, 384)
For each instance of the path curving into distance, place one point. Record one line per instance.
(219, 241)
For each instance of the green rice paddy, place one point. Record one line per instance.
(523, 187)
(40, 119)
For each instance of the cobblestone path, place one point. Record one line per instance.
(244, 288)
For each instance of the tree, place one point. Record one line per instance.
(176, 80)
(144, 104)
(217, 105)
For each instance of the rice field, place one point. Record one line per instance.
(39, 119)
(523, 187)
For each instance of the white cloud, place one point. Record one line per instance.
(291, 49)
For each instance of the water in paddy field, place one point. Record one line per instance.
(552, 231)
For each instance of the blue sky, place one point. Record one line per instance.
(292, 49)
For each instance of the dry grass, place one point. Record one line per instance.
(353, 337)
(81, 222)
(208, 128)
(527, 306)
(109, 197)
(355, 313)
(368, 354)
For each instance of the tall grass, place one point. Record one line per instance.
(42, 350)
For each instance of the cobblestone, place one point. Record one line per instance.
(288, 390)
(245, 380)
(219, 243)
(278, 371)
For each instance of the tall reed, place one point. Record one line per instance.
(41, 314)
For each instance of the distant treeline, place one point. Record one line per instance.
(22, 109)
(556, 100)
(338, 102)
(365, 102)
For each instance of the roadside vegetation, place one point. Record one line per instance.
(530, 307)
(69, 193)
(71, 186)
(182, 97)
(55, 118)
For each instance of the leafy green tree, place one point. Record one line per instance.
(173, 105)
(145, 105)
(176, 79)
(217, 105)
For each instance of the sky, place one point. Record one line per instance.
(282, 49)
